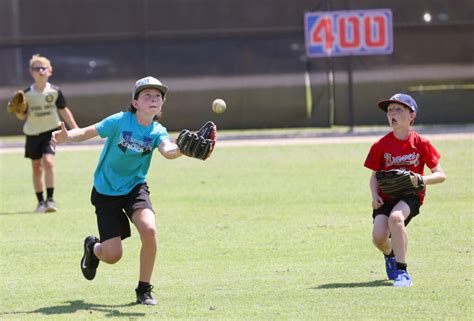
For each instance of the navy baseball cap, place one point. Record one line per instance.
(148, 82)
(402, 99)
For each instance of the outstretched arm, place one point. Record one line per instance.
(74, 135)
(169, 150)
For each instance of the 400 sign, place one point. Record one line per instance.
(344, 33)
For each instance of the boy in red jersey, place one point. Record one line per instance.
(402, 148)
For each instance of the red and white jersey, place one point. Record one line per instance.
(43, 108)
(411, 154)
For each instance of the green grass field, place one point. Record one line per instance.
(254, 233)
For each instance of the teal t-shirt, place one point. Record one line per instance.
(127, 152)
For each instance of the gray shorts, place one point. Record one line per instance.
(114, 212)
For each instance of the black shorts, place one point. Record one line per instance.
(114, 212)
(413, 203)
(38, 145)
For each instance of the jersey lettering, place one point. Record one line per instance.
(127, 142)
(412, 159)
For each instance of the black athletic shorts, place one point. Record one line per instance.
(114, 212)
(38, 145)
(413, 203)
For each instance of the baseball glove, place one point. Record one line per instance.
(200, 144)
(398, 183)
(18, 103)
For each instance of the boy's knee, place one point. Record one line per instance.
(149, 231)
(37, 168)
(148, 235)
(396, 218)
(48, 165)
(111, 257)
(379, 239)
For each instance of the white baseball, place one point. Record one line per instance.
(218, 106)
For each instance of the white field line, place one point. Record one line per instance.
(272, 142)
(330, 140)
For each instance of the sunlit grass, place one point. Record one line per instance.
(254, 233)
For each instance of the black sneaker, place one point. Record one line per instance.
(146, 297)
(89, 261)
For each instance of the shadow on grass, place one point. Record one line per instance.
(17, 212)
(70, 307)
(370, 284)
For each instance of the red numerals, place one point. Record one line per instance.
(322, 33)
(375, 37)
(349, 32)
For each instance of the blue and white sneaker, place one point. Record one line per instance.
(391, 267)
(403, 279)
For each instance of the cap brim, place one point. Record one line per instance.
(161, 88)
(384, 104)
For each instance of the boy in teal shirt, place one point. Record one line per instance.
(120, 191)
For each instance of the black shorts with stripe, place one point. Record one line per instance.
(38, 145)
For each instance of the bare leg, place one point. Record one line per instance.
(144, 220)
(109, 251)
(396, 223)
(49, 172)
(37, 167)
(381, 233)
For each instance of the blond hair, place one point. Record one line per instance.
(38, 58)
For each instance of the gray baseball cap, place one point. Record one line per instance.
(404, 99)
(148, 82)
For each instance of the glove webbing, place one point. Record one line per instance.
(194, 145)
